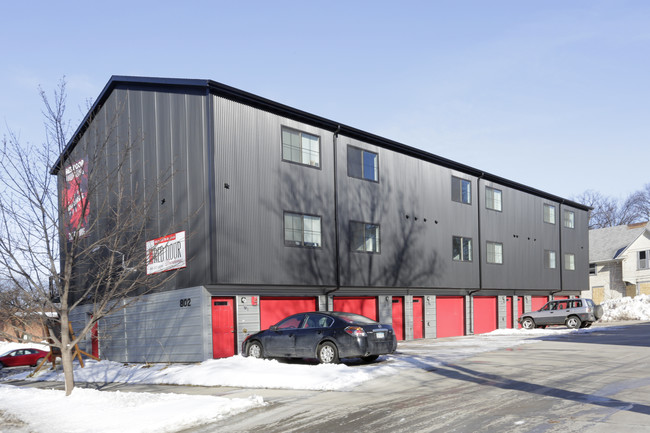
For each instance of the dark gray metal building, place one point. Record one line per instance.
(284, 211)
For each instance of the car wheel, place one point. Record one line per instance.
(573, 322)
(328, 353)
(370, 358)
(254, 349)
(528, 323)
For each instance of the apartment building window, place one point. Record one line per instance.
(569, 219)
(495, 253)
(363, 164)
(302, 230)
(570, 262)
(493, 198)
(462, 249)
(300, 147)
(461, 190)
(549, 213)
(364, 237)
(644, 259)
(592, 269)
(549, 259)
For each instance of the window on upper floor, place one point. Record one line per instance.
(364, 237)
(363, 164)
(462, 249)
(302, 230)
(549, 213)
(569, 262)
(461, 190)
(644, 259)
(549, 259)
(592, 269)
(300, 147)
(495, 253)
(569, 219)
(493, 198)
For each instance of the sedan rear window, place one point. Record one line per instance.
(354, 318)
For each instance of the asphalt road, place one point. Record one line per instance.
(597, 382)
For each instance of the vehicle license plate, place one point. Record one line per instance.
(379, 335)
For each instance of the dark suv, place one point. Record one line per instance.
(574, 313)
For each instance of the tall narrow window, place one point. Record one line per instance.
(462, 249)
(644, 260)
(495, 253)
(363, 164)
(569, 219)
(364, 237)
(302, 230)
(300, 147)
(461, 190)
(549, 213)
(549, 259)
(493, 198)
(569, 262)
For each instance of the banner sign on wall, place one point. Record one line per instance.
(166, 253)
(75, 199)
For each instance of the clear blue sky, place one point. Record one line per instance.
(553, 94)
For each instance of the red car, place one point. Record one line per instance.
(19, 357)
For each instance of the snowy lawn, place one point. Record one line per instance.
(40, 410)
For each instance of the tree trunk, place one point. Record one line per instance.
(66, 355)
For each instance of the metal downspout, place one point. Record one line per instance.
(336, 216)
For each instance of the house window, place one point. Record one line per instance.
(569, 219)
(363, 164)
(570, 262)
(462, 249)
(364, 237)
(549, 259)
(461, 190)
(592, 269)
(493, 198)
(549, 213)
(302, 230)
(644, 259)
(300, 147)
(495, 253)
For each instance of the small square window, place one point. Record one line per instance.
(302, 230)
(364, 237)
(592, 269)
(461, 190)
(363, 164)
(300, 147)
(569, 219)
(493, 198)
(549, 259)
(495, 253)
(549, 213)
(462, 249)
(570, 262)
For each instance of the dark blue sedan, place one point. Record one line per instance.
(326, 336)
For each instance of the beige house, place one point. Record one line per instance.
(619, 262)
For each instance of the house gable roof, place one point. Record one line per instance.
(609, 243)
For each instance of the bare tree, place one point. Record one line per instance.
(610, 212)
(89, 252)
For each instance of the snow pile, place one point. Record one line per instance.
(637, 308)
(128, 412)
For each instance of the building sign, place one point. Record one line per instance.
(166, 253)
(75, 199)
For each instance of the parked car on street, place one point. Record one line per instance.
(326, 336)
(574, 313)
(23, 357)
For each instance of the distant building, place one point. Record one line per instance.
(272, 210)
(619, 262)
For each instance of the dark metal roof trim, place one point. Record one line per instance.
(246, 98)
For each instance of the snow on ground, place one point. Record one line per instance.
(127, 412)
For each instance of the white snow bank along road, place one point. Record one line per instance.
(46, 411)
(637, 308)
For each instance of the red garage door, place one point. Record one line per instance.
(450, 316)
(272, 310)
(538, 302)
(418, 317)
(364, 305)
(485, 314)
(398, 317)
